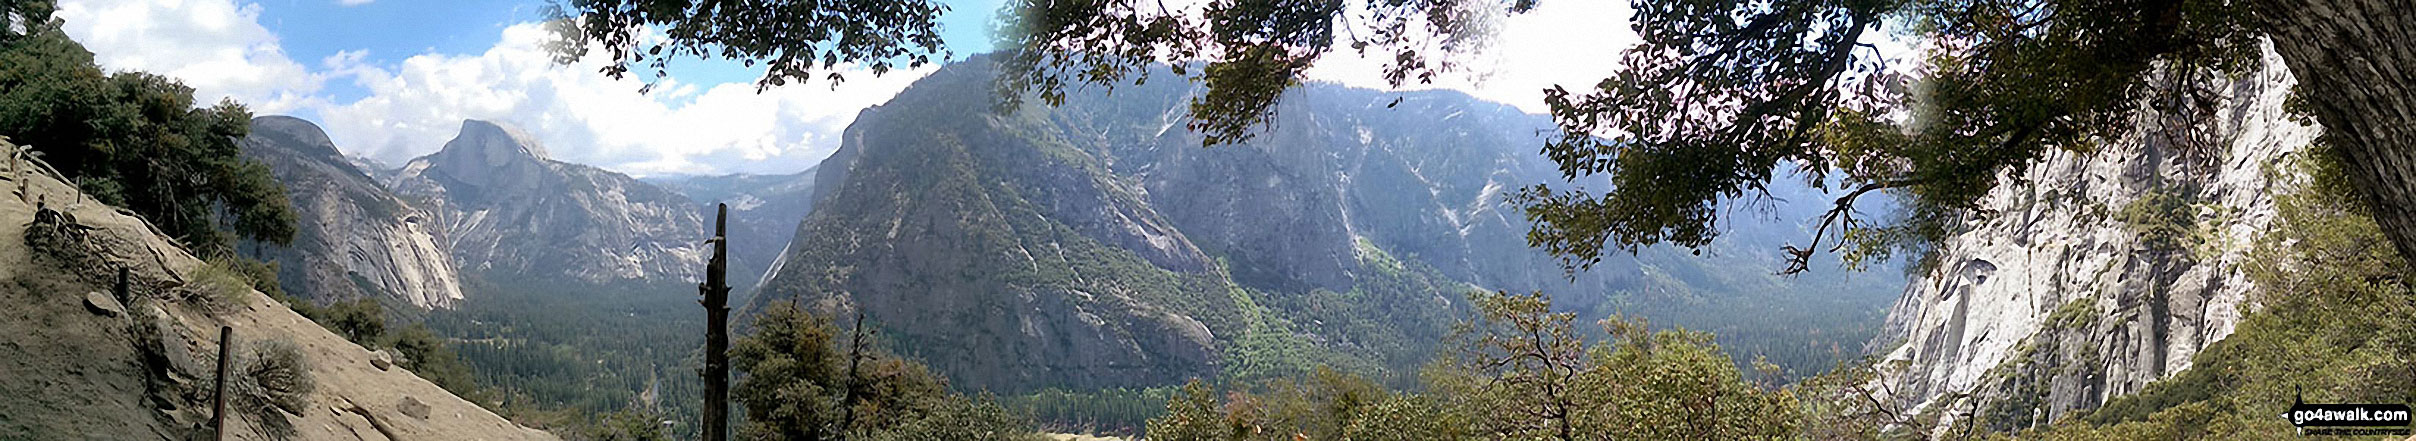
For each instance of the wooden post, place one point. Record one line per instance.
(226, 353)
(716, 291)
(124, 292)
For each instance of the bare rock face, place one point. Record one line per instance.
(355, 239)
(2068, 295)
(510, 210)
(995, 261)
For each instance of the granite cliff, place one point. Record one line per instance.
(354, 239)
(509, 210)
(2097, 273)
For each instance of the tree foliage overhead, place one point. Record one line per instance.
(1723, 95)
(1253, 49)
(134, 139)
(1716, 98)
(795, 40)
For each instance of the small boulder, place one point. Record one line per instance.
(381, 359)
(414, 408)
(102, 304)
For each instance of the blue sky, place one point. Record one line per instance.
(317, 29)
(393, 79)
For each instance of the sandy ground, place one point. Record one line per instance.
(74, 374)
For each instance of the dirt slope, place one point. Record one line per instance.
(71, 372)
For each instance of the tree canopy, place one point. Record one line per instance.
(1722, 96)
(800, 384)
(135, 139)
(794, 40)
(1517, 371)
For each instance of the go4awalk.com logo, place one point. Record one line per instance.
(2349, 419)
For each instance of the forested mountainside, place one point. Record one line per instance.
(566, 290)
(354, 239)
(507, 208)
(1095, 244)
(84, 362)
(764, 211)
(2099, 273)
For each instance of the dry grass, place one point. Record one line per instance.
(274, 380)
(218, 287)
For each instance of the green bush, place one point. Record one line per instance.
(962, 418)
(362, 321)
(260, 275)
(2162, 220)
(1517, 371)
(797, 383)
(218, 286)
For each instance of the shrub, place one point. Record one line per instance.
(218, 286)
(962, 418)
(271, 380)
(261, 276)
(362, 321)
(2162, 220)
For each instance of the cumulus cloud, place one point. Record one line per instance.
(585, 117)
(215, 46)
(413, 107)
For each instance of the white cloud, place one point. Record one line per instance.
(1570, 43)
(585, 117)
(215, 46)
(413, 107)
(353, 2)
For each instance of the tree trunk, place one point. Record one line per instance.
(716, 291)
(2355, 61)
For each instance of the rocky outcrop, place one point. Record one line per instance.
(510, 211)
(2097, 273)
(354, 239)
(145, 374)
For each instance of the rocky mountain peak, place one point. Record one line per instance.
(484, 159)
(495, 142)
(506, 208)
(301, 134)
(357, 240)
